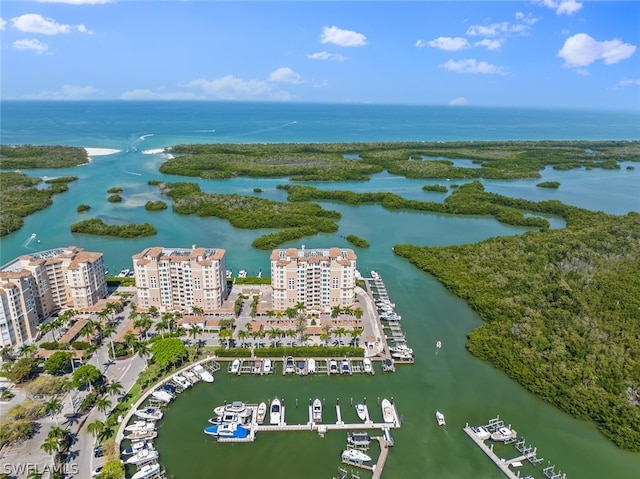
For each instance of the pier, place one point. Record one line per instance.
(502, 465)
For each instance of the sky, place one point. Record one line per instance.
(536, 53)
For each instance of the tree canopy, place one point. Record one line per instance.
(168, 351)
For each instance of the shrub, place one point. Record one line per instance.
(82, 208)
(80, 345)
(53, 345)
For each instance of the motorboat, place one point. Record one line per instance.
(504, 434)
(266, 366)
(316, 410)
(146, 471)
(346, 368)
(289, 365)
(142, 456)
(141, 435)
(235, 407)
(257, 367)
(205, 375)
(401, 348)
(302, 367)
(275, 412)
(387, 411)
(354, 455)
(262, 412)
(361, 411)
(227, 417)
(135, 447)
(368, 367)
(227, 430)
(235, 366)
(438, 344)
(181, 381)
(141, 426)
(192, 377)
(481, 433)
(374, 275)
(359, 439)
(402, 355)
(311, 366)
(170, 388)
(440, 418)
(162, 395)
(150, 412)
(333, 366)
(390, 317)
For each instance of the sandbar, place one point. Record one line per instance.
(101, 151)
(155, 151)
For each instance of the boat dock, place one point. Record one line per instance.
(255, 366)
(488, 450)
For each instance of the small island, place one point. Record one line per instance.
(43, 156)
(115, 189)
(82, 208)
(61, 179)
(155, 205)
(114, 199)
(436, 188)
(549, 184)
(257, 190)
(97, 227)
(357, 241)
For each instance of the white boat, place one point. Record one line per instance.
(440, 418)
(387, 411)
(266, 366)
(359, 439)
(374, 275)
(153, 413)
(481, 432)
(235, 407)
(438, 344)
(226, 417)
(402, 355)
(333, 366)
(262, 412)
(355, 455)
(368, 367)
(361, 411)
(181, 381)
(275, 412)
(146, 471)
(140, 426)
(257, 367)
(123, 273)
(162, 395)
(235, 366)
(401, 348)
(311, 366)
(192, 377)
(504, 434)
(142, 456)
(136, 447)
(289, 365)
(227, 430)
(203, 373)
(141, 435)
(316, 410)
(346, 367)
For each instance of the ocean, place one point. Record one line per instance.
(449, 380)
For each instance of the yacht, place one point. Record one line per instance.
(192, 377)
(266, 366)
(136, 447)
(359, 439)
(438, 344)
(140, 426)
(203, 373)
(355, 455)
(481, 432)
(401, 348)
(142, 456)
(311, 366)
(275, 412)
(440, 418)
(236, 407)
(181, 381)
(227, 430)
(361, 411)
(146, 471)
(333, 367)
(504, 434)
(235, 366)
(141, 435)
(152, 413)
(226, 417)
(368, 367)
(346, 368)
(316, 410)
(289, 365)
(162, 395)
(262, 412)
(387, 411)
(257, 367)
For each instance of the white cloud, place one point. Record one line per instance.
(77, 2)
(31, 44)
(326, 56)
(285, 75)
(495, 29)
(582, 72)
(450, 44)
(343, 38)
(566, 7)
(628, 82)
(232, 88)
(3, 23)
(529, 19)
(460, 101)
(67, 92)
(151, 95)
(35, 23)
(471, 65)
(581, 50)
(489, 44)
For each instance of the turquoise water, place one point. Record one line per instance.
(451, 380)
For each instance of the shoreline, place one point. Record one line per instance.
(91, 152)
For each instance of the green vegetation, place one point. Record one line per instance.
(549, 184)
(61, 179)
(114, 199)
(469, 199)
(252, 280)
(97, 227)
(114, 281)
(257, 190)
(115, 189)
(561, 311)
(357, 241)
(58, 363)
(86, 375)
(19, 198)
(168, 352)
(155, 206)
(32, 156)
(82, 208)
(250, 212)
(325, 162)
(436, 188)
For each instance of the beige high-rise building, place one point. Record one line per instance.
(319, 278)
(180, 279)
(34, 286)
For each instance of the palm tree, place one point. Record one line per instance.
(291, 333)
(153, 312)
(103, 315)
(194, 331)
(299, 307)
(163, 324)
(273, 333)
(52, 407)
(358, 313)
(108, 332)
(225, 334)
(96, 429)
(301, 326)
(130, 340)
(143, 323)
(197, 311)
(103, 404)
(50, 446)
(6, 353)
(142, 349)
(242, 335)
(115, 388)
(335, 311)
(355, 334)
(89, 329)
(27, 350)
(340, 331)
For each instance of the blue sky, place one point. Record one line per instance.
(541, 53)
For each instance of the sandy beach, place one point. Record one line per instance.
(155, 151)
(101, 151)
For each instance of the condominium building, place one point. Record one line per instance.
(34, 286)
(180, 279)
(319, 278)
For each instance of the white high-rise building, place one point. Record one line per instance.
(318, 278)
(180, 279)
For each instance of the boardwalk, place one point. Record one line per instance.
(502, 465)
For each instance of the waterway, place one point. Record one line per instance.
(451, 380)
